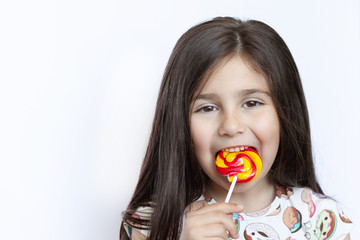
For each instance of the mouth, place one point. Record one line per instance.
(235, 149)
(242, 162)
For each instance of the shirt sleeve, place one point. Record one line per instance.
(134, 233)
(139, 233)
(331, 221)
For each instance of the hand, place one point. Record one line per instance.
(211, 222)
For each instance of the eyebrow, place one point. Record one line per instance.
(242, 93)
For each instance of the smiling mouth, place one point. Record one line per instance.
(235, 149)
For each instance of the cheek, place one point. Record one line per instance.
(200, 135)
(267, 130)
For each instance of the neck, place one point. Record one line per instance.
(253, 197)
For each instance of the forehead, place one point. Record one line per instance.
(235, 71)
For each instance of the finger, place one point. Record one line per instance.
(224, 207)
(215, 230)
(231, 226)
(215, 217)
(234, 233)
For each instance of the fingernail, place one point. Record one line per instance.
(239, 206)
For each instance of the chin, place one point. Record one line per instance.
(243, 187)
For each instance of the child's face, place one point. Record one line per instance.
(234, 109)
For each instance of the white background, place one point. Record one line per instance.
(79, 81)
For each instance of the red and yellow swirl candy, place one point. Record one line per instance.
(246, 165)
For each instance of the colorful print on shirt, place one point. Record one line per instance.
(295, 214)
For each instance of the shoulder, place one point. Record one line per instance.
(320, 215)
(136, 230)
(317, 202)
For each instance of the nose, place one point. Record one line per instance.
(231, 124)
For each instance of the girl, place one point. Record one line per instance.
(230, 85)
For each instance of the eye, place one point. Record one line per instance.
(208, 108)
(252, 104)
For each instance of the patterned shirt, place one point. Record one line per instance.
(295, 214)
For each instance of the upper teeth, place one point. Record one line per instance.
(235, 149)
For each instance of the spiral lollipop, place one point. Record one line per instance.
(241, 167)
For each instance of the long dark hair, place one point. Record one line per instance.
(171, 177)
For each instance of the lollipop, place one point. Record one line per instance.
(246, 165)
(241, 167)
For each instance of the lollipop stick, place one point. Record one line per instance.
(231, 189)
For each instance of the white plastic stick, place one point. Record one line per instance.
(231, 189)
